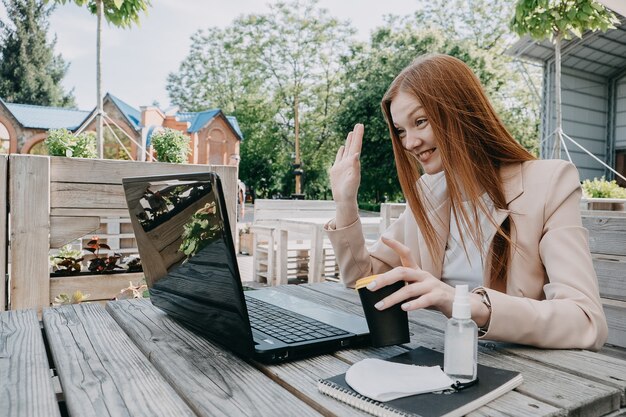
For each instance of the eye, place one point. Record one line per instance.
(401, 133)
(421, 121)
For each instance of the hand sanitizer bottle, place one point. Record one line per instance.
(461, 340)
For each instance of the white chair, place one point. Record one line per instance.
(267, 215)
(389, 212)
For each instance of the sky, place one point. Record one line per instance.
(136, 61)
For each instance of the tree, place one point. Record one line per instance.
(121, 13)
(219, 73)
(558, 20)
(30, 73)
(278, 73)
(297, 47)
(369, 72)
(485, 25)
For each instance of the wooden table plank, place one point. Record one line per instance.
(515, 404)
(213, 381)
(575, 394)
(102, 372)
(593, 366)
(421, 336)
(25, 377)
(609, 371)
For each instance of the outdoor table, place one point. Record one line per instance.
(131, 359)
(314, 228)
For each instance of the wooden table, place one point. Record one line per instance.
(131, 359)
(314, 229)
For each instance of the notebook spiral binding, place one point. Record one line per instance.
(357, 400)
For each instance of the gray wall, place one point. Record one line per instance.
(585, 118)
(620, 114)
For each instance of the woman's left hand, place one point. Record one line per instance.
(423, 290)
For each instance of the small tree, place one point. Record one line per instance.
(557, 20)
(62, 142)
(171, 146)
(121, 13)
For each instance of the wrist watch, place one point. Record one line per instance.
(484, 298)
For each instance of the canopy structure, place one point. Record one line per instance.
(593, 93)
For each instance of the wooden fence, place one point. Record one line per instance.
(607, 242)
(54, 201)
(4, 164)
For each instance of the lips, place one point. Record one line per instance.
(423, 156)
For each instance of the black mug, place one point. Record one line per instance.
(389, 326)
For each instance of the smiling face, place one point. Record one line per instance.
(415, 131)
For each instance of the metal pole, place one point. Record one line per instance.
(99, 130)
(298, 172)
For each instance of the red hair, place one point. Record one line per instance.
(473, 143)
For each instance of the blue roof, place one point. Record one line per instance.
(235, 124)
(44, 117)
(197, 120)
(201, 119)
(132, 114)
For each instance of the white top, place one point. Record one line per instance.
(460, 267)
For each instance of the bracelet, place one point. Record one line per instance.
(484, 297)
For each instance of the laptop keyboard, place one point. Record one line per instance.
(285, 325)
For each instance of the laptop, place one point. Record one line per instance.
(189, 260)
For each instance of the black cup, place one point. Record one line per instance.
(389, 326)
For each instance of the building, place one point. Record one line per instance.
(214, 137)
(593, 86)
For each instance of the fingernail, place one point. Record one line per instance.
(379, 305)
(405, 306)
(371, 285)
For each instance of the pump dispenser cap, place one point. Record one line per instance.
(461, 308)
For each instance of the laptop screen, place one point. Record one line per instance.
(188, 256)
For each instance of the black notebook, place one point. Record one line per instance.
(492, 383)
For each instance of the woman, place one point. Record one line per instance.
(485, 212)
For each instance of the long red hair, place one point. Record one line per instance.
(473, 143)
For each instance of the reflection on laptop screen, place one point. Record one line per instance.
(187, 254)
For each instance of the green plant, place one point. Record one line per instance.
(601, 188)
(101, 263)
(62, 142)
(199, 231)
(369, 206)
(245, 229)
(67, 261)
(171, 146)
(76, 298)
(132, 264)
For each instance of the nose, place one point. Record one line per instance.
(411, 141)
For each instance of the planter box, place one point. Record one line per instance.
(609, 204)
(245, 243)
(100, 286)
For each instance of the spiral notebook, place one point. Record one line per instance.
(492, 383)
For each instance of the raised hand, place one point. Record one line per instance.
(345, 174)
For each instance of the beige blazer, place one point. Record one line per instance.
(551, 299)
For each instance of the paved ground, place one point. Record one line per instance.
(245, 270)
